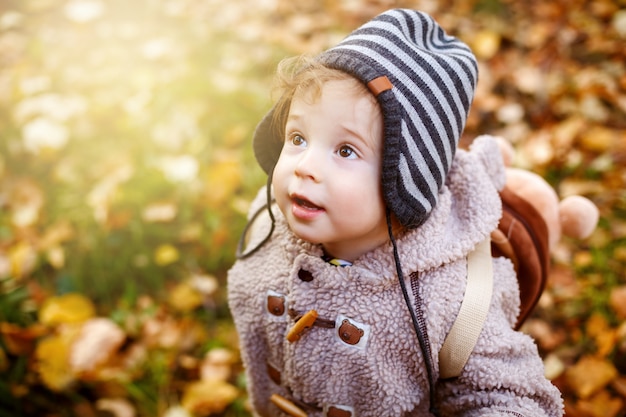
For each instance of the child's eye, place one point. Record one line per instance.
(346, 152)
(297, 140)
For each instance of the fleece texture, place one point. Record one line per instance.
(368, 361)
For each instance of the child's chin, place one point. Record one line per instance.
(305, 235)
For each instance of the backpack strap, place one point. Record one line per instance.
(521, 236)
(464, 333)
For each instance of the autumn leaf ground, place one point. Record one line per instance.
(126, 171)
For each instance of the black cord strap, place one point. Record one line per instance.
(421, 337)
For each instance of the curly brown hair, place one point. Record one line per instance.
(304, 76)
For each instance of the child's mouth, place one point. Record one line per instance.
(305, 204)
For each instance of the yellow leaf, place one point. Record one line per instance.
(22, 258)
(223, 179)
(166, 254)
(202, 398)
(184, 297)
(486, 44)
(68, 308)
(52, 362)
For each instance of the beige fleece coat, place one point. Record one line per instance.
(363, 358)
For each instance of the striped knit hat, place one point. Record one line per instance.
(424, 81)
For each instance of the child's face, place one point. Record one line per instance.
(327, 179)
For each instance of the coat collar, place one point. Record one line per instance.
(468, 209)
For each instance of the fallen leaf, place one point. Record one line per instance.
(205, 284)
(177, 411)
(202, 398)
(529, 79)
(67, 308)
(553, 367)
(217, 365)
(603, 335)
(116, 407)
(617, 301)
(55, 235)
(26, 198)
(598, 139)
(486, 44)
(166, 254)
(222, 180)
(22, 258)
(159, 212)
(589, 375)
(619, 385)
(98, 340)
(4, 361)
(601, 405)
(21, 340)
(185, 297)
(56, 257)
(619, 23)
(162, 332)
(547, 337)
(52, 355)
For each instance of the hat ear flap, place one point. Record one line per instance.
(267, 141)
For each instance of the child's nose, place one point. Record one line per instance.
(310, 165)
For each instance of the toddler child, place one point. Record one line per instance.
(371, 209)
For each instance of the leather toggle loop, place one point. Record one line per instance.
(302, 325)
(380, 84)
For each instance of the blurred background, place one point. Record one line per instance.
(126, 171)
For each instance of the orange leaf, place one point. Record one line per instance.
(4, 361)
(601, 405)
(19, 340)
(618, 301)
(589, 375)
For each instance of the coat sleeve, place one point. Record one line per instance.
(504, 375)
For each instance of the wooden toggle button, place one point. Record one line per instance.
(302, 325)
(287, 406)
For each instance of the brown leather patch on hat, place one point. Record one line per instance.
(380, 84)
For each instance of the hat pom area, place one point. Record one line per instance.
(433, 77)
